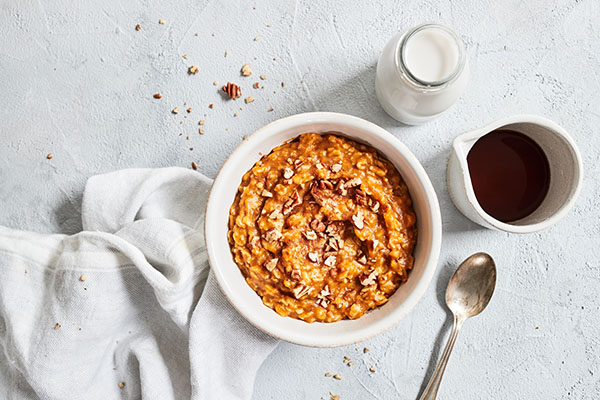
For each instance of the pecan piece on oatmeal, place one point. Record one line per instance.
(358, 220)
(323, 297)
(310, 235)
(367, 279)
(353, 183)
(301, 290)
(313, 256)
(361, 198)
(273, 235)
(288, 173)
(330, 261)
(266, 193)
(296, 275)
(317, 225)
(294, 201)
(335, 168)
(325, 185)
(271, 264)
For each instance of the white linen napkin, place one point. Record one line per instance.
(127, 308)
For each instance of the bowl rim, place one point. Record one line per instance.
(407, 304)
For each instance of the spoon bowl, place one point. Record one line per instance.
(472, 285)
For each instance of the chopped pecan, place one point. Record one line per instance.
(310, 235)
(353, 183)
(325, 185)
(367, 279)
(276, 214)
(271, 264)
(375, 206)
(301, 290)
(330, 261)
(341, 188)
(332, 244)
(358, 220)
(294, 201)
(273, 235)
(317, 225)
(361, 198)
(335, 168)
(232, 90)
(296, 275)
(266, 193)
(362, 259)
(288, 173)
(313, 256)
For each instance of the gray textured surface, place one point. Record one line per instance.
(77, 81)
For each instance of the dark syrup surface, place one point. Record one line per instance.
(510, 174)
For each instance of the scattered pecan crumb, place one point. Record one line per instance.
(282, 84)
(161, 21)
(201, 122)
(334, 396)
(157, 96)
(194, 166)
(275, 58)
(338, 377)
(270, 109)
(235, 114)
(201, 131)
(185, 56)
(193, 70)
(211, 105)
(49, 156)
(25, 271)
(175, 110)
(138, 27)
(263, 77)
(346, 359)
(328, 374)
(232, 90)
(257, 38)
(372, 369)
(189, 110)
(255, 86)
(246, 70)
(269, 25)
(350, 363)
(226, 53)
(57, 326)
(366, 350)
(215, 83)
(249, 99)
(82, 278)
(121, 385)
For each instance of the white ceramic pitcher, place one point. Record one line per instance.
(566, 173)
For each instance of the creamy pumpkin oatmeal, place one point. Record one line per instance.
(323, 228)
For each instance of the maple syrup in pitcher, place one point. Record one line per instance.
(510, 174)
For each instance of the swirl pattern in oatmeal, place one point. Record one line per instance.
(323, 228)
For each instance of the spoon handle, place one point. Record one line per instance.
(430, 392)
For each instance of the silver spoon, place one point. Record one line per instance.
(469, 292)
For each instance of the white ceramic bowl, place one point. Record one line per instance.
(249, 304)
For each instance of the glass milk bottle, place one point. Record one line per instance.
(421, 72)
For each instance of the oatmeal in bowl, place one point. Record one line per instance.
(323, 228)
